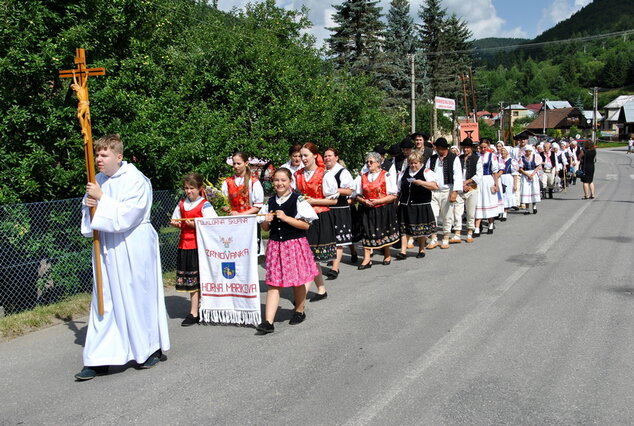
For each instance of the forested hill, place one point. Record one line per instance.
(486, 43)
(599, 17)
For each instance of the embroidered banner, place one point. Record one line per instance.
(228, 265)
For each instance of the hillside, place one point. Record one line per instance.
(599, 17)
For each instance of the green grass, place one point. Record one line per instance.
(15, 325)
(611, 144)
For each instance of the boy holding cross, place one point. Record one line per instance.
(134, 323)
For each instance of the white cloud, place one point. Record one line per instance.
(482, 18)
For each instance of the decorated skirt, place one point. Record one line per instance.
(321, 237)
(289, 263)
(187, 277)
(380, 227)
(416, 220)
(342, 218)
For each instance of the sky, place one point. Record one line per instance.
(485, 18)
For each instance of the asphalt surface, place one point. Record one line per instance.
(532, 325)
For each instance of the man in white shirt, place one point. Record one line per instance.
(446, 166)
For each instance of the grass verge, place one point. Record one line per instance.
(611, 144)
(16, 325)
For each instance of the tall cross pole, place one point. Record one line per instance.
(80, 85)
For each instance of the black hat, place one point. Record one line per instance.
(416, 134)
(379, 150)
(520, 136)
(407, 143)
(441, 143)
(428, 144)
(467, 142)
(394, 150)
(487, 140)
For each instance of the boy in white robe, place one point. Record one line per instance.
(134, 323)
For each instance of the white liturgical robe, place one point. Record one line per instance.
(134, 324)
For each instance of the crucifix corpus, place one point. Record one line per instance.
(80, 85)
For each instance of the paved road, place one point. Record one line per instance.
(533, 325)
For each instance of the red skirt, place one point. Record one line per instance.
(289, 263)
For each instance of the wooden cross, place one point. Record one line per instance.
(80, 86)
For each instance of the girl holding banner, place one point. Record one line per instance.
(289, 258)
(320, 191)
(190, 207)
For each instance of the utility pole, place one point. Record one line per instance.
(413, 96)
(545, 113)
(594, 115)
(463, 78)
(473, 96)
(501, 118)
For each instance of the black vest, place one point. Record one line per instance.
(472, 165)
(282, 231)
(398, 162)
(386, 165)
(342, 201)
(414, 194)
(447, 166)
(552, 158)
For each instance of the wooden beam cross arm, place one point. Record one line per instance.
(81, 73)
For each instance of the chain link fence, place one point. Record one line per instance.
(44, 257)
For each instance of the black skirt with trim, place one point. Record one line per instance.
(380, 226)
(187, 276)
(416, 220)
(342, 218)
(321, 237)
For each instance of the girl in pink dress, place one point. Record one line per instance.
(289, 259)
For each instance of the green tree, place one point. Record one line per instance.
(399, 45)
(357, 36)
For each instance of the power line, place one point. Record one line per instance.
(529, 45)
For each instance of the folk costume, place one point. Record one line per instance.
(448, 173)
(289, 258)
(187, 276)
(134, 323)
(550, 165)
(466, 202)
(529, 189)
(321, 234)
(488, 204)
(379, 224)
(241, 199)
(507, 181)
(341, 212)
(415, 215)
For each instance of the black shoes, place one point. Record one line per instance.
(490, 231)
(332, 274)
(88, 373)
(354, 258)
(534, 210)
(420, 255)
(318, 297)
(362, 267)
(401, 256)
(152, 360)
(190, 320)
(265, 327)
(297, 318)
(387, 262)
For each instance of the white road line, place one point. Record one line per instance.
(437, 351)
(632, 177)
(611, 177)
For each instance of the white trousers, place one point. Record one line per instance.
(468, 201)
(443, 210)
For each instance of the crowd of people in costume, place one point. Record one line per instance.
(413, 195)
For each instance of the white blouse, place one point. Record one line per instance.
(390, 184)
(304, 210)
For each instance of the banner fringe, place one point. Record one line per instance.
(215, 316)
